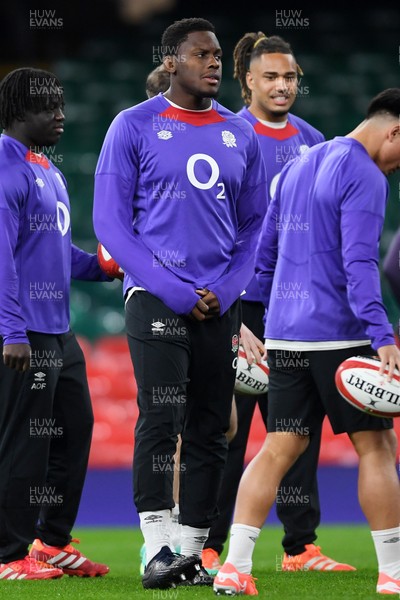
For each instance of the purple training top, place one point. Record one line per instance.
(37, 259)
(324, 284)
(179, 200)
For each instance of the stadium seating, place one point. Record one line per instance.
(114, 396)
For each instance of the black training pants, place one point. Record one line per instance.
(46, 423)
(185, 372)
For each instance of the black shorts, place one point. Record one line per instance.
(302, 391)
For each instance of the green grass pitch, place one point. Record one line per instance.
(119, 548)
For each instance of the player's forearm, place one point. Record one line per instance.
(251, 210)
(12, 322)
(230, 286)
(365, 298)
(265, 263)
(267, 253)
(85, 266)
(266, 257)
(113, 228)
(360, 239)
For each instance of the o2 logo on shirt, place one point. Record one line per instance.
(190, 166)
(63, 218)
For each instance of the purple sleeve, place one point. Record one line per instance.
(391, 266)
(267, 249)
(12, 322)
(85, 266)
(362, 216)
(115, 183)
(250, 208)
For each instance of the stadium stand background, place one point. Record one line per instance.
(102, 53)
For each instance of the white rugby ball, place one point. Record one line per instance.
(358, 381)
(251, 379)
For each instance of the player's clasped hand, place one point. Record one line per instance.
(213, 304)
(207, 307)
(200, 311)
(211, 300)
(17, 356)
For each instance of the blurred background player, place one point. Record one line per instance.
(43, 380)
(341, 190)
(268, 75)
(158, 80)
(212, 159)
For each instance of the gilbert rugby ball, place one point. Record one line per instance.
(251, 379)
(108, 264)
(358, 381)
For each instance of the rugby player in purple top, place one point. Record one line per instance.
(268, 75)
(323, 298)
(180, 193)
(46, 417)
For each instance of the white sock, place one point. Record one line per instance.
(387, 547)
(155, 526)
(193, 540)
(175, 533)
(241, 545)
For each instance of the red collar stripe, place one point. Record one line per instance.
(192, 117)
(278, 134)
(37, 159)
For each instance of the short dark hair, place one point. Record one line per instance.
(178, 32)
(27, 89)
(253, 45)
(158, 80)
(386, 102)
